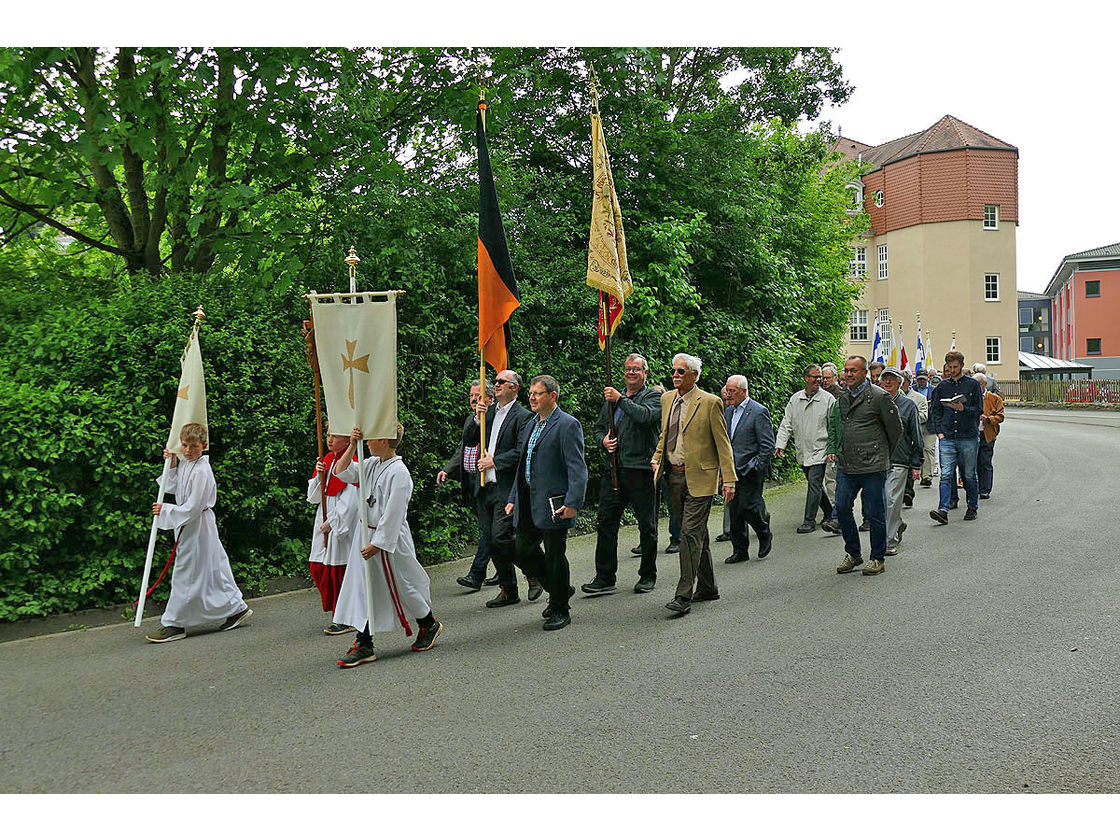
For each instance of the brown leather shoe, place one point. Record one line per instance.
(503, 599)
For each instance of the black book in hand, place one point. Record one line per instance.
(555, 505)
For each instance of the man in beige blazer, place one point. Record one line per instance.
(692, 452)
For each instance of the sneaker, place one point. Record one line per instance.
(679, 605)
(237, 619)
(557, 621)
(646, 584)
(831, 526)
(985, 495)
(337, 629)
(939, 515)
(806, 527)
(473, 584)
(597, 587)
(875, 567)
(674, 547)
(970, 514)
(535, 589)
(166, 634)
(849, 564)
(547, 611)
(426, 636)
(901, 528)
(891, 551)
(357, 655)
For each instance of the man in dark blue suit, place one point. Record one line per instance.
(546, 496)
(752, 441)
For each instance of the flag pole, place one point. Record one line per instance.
(605, 306)
(481, 347)
(313, 363)
(198, 316)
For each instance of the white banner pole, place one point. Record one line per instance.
(365, 532)
(151, 549)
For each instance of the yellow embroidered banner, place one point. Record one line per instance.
(606, 253)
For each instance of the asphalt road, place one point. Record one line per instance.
(983, 660)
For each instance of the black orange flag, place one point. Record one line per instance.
(497, 287)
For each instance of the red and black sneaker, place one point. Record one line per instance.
(426, 636)
(357, 655)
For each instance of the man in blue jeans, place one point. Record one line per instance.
(954, 412)
(868, 431)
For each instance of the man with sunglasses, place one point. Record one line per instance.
(506, 419)
(692, 452)
(806, 420)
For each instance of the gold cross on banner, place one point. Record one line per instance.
(361, 363)
(182, 392)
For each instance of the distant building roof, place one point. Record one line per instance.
(1032, 361)
(1070, 263)
(947, 134)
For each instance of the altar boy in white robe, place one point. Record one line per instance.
(202, 585)
(401, 587)
(332, 534)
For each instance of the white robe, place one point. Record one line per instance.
(202, 585)
(342, 516)
(389, 486)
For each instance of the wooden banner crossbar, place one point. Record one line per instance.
(337, 297)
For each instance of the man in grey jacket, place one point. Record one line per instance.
(806, 419)
(906, 457)
(869, 430)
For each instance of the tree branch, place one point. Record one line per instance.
(16, 204)
(133, 165)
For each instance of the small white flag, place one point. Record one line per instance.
(190, 399)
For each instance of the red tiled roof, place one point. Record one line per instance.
(945, 135)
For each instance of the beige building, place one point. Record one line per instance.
(943, 207)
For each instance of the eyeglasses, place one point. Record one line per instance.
(815, 377)
(503, 382)
(681, 371)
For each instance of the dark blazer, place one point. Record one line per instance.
(636, 429)
(558, 468)
(454, 467)
(508, 448)
(753, 441)
(910, 449)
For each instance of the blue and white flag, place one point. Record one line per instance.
(877, 347)
(920, 358)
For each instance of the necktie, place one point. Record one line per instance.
(674, 426)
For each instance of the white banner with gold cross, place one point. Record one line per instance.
(356, 343)
(190, 399)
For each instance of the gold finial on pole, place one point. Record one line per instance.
(352, 260)
(199, 315)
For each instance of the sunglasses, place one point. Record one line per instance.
(680, 371)
(503, 382)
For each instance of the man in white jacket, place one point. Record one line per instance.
(806, 419)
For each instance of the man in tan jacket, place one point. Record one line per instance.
(990, 419)
(692, 452)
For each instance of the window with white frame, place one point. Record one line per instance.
(857, 330)
(878, 198)
(859, 262)
(991, 217)
(855, 197)
(991, 287)
(991, 346)
(882, 262)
